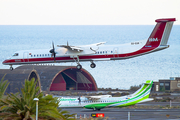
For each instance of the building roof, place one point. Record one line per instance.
(48, 76)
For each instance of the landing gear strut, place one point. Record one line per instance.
(94, 109)
(79, 66)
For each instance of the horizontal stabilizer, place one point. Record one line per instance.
(146, 100)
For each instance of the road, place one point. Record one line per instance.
(135, 114)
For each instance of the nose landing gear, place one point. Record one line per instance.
(11, 68)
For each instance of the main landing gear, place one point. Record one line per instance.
(94, 109)
(93, 65)
(79, 66)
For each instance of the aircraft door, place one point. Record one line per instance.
(26, 56)
(115, 52)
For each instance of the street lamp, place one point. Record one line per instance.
(36, 99)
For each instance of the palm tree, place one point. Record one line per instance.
(21, 105)
(3, 86)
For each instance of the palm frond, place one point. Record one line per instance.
(3, 86)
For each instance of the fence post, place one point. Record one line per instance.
(128, 115)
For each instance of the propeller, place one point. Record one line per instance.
(53, 52)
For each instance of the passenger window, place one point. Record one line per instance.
(40, 55)
(43, 55)
(34, 55)
(37, 55)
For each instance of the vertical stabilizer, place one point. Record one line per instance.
(145, 87)
(166, 33)
(161, 32)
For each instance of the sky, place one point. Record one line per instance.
(87, 12)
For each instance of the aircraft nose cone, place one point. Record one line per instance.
(8, 61)
(4, 62)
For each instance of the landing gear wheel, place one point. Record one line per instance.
(93, 65)
(11, 68)
(98, 109)
(79, 67)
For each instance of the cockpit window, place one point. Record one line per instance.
(15, 54)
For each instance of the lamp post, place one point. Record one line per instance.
(36, 99)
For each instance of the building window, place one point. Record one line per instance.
(166, 84)
(161, 84)
(161, 87)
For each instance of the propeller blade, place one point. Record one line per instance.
(53, 52)
(53, 45)
(54, 57)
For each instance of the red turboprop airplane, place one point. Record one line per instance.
(96, 52)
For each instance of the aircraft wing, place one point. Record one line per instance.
(97, 44)
(91, 47)
(93, 97)
(97, 97)
(76, 48)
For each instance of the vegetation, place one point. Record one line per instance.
(3, 86)
(162, 89)
(22, 106)
(117, 94)
(135, 87)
